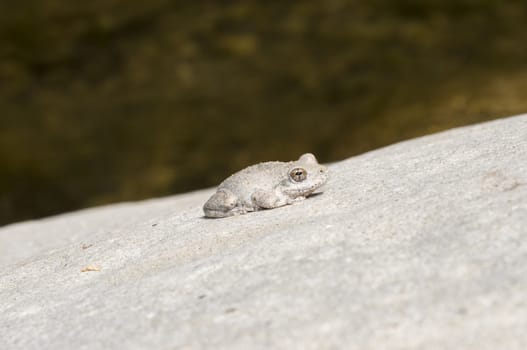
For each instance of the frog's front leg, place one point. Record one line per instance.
(297, 199)
(269, 199)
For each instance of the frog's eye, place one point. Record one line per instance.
(298, 174)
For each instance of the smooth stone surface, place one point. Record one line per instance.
(419, 245)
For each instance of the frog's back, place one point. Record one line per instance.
(262, 176)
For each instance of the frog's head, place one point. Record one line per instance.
(304, 176)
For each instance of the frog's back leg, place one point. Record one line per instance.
(221, 204)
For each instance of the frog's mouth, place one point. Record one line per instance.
(302, 192)
(314, 183)
(319, 190)
(316, 193)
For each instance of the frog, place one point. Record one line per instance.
(267, 185)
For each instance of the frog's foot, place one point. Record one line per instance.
(221, 204)
(297, 199)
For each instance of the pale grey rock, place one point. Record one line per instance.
(419, 245)
(267, 185)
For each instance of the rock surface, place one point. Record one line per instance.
(419, 245)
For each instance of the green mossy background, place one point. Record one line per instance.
(114, 100)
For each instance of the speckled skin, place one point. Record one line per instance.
(265, 186)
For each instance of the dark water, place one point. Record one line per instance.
(117, 100)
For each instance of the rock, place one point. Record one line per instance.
(419, 245)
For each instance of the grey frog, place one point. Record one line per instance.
(265, 186)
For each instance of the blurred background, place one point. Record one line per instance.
(113, 100)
